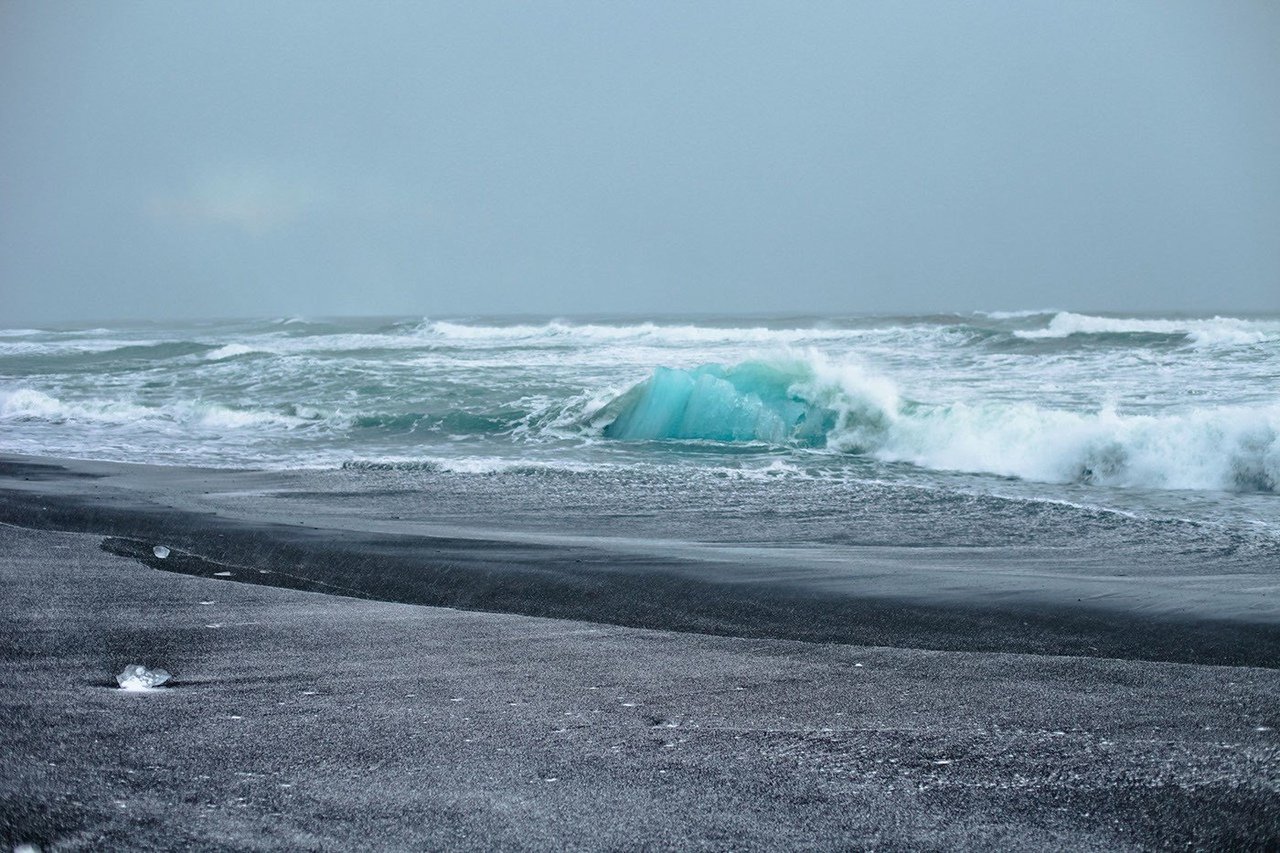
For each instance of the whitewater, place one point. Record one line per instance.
(1175, 417)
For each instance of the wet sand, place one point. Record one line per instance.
(320, 721)
(1015, 599)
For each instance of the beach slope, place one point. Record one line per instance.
(314, 721)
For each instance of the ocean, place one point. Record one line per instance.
(983, 429)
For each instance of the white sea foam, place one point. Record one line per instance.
(231, 351)
(31, 405)
(28, 404)
(1232, 449)
(1202, 332)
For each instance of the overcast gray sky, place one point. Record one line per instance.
(181, 159)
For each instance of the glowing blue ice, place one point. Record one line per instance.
(748, 402)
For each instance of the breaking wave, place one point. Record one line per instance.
(811, 401)
(1217, 331)
(27, 404)
(231, 351)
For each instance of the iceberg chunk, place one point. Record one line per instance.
(137, 677)
(160, 551)
(752, 401)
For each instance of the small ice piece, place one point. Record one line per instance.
(137, 677)
(222, 574)
(160, 551)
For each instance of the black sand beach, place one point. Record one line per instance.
(639, 426)
(326, 721)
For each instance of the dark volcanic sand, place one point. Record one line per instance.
(1087, 601)
(314, 721)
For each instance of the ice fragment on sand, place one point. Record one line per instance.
(137, 677)
(160, 551)
(222, 574)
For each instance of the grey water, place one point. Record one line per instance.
(968, 429)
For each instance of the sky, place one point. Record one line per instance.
(257, 159)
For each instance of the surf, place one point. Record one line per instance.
(814, 402)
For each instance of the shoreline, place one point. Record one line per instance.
(868, 599)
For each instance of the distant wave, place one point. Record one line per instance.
(76, 346)
(562, 332)
(1014, 315)
(231, 351)
(1202, 332)
(812, 401)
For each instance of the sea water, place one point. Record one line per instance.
(871, 428)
